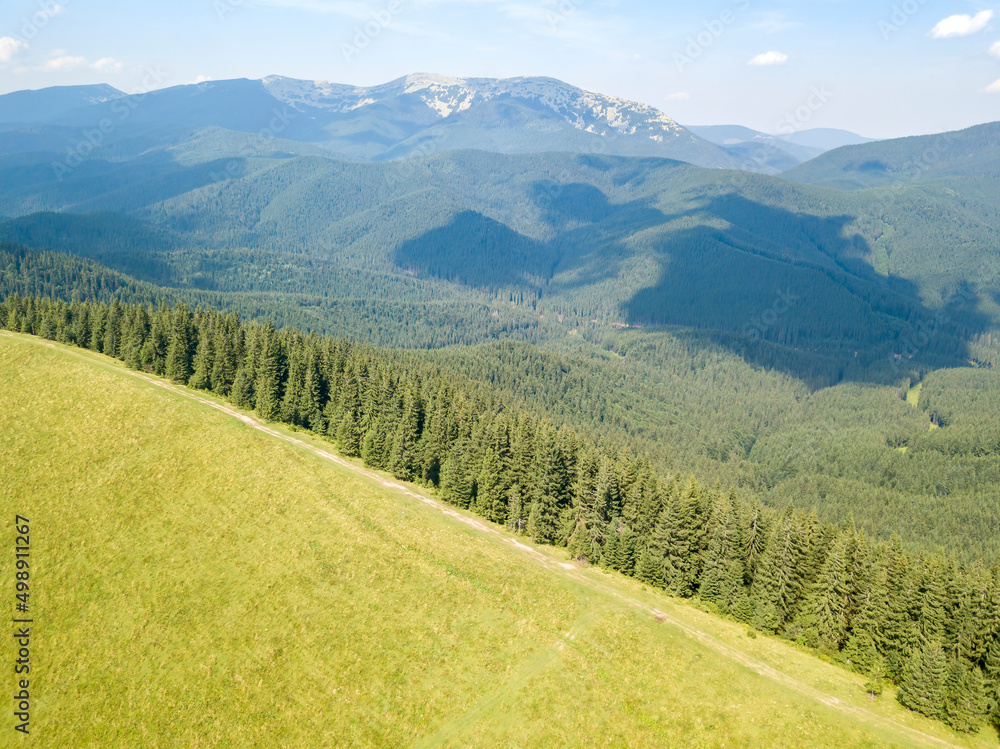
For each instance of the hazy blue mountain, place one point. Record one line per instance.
(769, 148)
(49, 104)
(414, 115)
(968, 154)
(825, 138)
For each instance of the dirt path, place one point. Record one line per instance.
(569, 570)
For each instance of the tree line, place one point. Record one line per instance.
(920, 620)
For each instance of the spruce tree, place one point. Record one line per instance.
(310, 405)
(650, 569)
(625, 554)
(295, 379)
(180, 349)
(113, 330)
(553, 490)
(343, 416)
(826, 612)
(201, 377)
(226, 361)
(966, 703)
(778, 583)
(494, 482)
(458, 485)
(723, 563)
(403, 460)
(268, 384)
(679, 535)
(923, 685)
(609, 553)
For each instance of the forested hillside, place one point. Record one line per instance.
(921, 620)
(825, 285)
(972, 153)
(416, 622)
(676, 397)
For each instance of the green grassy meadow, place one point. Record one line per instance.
(197, 582)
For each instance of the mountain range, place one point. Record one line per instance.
(413, 116)
(569, 205)
(755, 370)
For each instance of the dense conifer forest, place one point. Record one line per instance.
(921, 619)
(856, 452)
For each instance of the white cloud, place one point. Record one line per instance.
(771, 22)
(993, 88)
(351, 8)
(679, 96)
(66, 62)
(203, 78)
(995, 49)
(10, 47)
(770, 58)
(107, 65)
(963, 25)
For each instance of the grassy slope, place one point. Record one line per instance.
(201, 583)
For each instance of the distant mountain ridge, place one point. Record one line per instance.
(48, 104)
(775, 153)
(968, 155)
(413, 115)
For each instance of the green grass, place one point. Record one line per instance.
(198, 582)
(913, 394)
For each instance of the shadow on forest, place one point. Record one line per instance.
(784, 290)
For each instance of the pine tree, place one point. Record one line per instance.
(288, 411)
(755, 532)
(723, 562)
(553, 490)
(778, 583)
(966, 704)
(826, 612)
(403, 460)
(933, 597)
(343, 417)
(180, 349)
(268, 384)
(48, 326)
(679, 534)
(137, 333)
(375, 446)
(155, 350)
(494, 476)
(516, 520)
(868, 639)
(458, 485)
(625, 554)
(13, 320)
(98, 320)
(81, 325)
(226, 361)
(311, 398)
(650, 567)
(201, 377)
(111, 345)
(609, 553)
(923, 685)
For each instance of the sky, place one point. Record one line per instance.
(881, 68)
